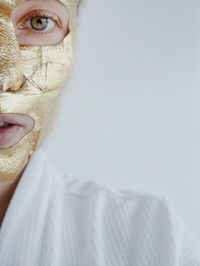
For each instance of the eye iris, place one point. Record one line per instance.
(39, 23)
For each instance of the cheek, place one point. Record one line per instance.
(45, 113)
(48, 67)
(45, 78)
(41, 74)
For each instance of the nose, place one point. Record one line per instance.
(11, 77)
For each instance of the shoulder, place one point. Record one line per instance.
(71, 184)
(128, 222)
(133, 202)
(136, 222)
(132, 209)
(139, 207)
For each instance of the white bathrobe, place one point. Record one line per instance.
(55, 219)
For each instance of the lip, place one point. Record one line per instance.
(20, 126)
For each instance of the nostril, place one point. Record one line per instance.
(14, 87)
(4, 82)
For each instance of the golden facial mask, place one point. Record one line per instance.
(45, 69)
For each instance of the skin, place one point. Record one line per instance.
(57, 28)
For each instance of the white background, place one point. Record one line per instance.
(130, 115)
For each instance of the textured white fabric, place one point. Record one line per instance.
(55, 219)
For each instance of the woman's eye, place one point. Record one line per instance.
(40, 23)
(40, 27)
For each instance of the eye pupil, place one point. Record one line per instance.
(39, 23)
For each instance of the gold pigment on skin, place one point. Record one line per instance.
(46, 69)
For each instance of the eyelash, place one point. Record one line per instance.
(41, 14)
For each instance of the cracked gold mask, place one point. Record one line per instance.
(31, 79)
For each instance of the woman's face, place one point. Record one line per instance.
(36, 22)
(36, 56)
